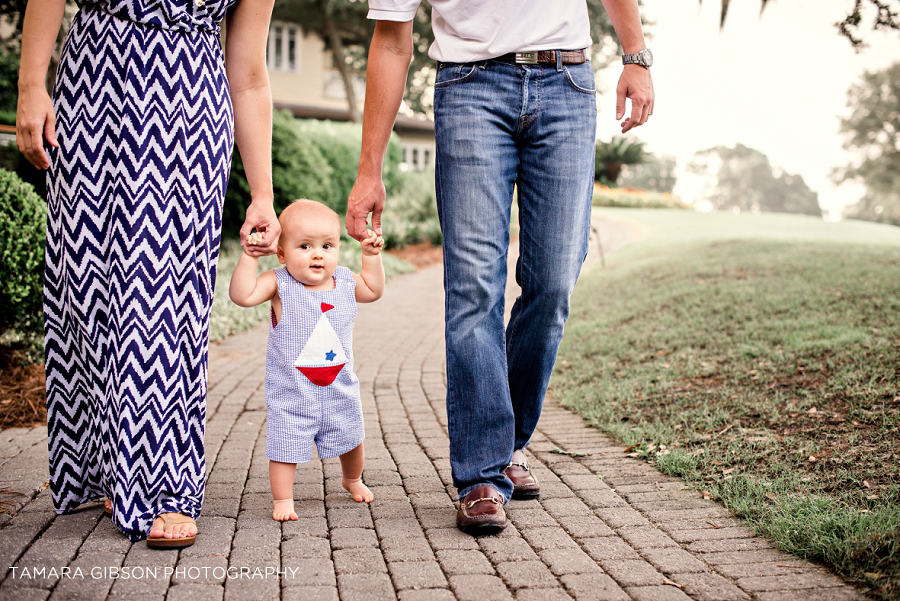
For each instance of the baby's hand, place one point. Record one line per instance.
(372, 243)
(253, 239)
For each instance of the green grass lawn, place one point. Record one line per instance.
(757, 357)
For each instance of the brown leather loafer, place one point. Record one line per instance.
(525, 485)
(481, 511)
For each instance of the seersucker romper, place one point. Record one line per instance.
(299, 411)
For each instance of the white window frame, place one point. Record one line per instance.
(281, 61)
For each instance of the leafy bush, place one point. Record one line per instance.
(310, 159)
(298, 171)
(9, 87)
(22, 236)
(410, 215)
(633, 198)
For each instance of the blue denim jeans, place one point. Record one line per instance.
(500, 126)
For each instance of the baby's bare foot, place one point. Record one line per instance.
(359, 491)
(284, 510)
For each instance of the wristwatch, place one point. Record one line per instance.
(643, 58)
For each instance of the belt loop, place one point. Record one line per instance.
(559, 64)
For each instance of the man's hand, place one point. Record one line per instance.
(634, 83)
(260, 215)
(367, 196)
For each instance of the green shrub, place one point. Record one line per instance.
(9, 86)
(410, 215)
(310, 159)
(22, 237)
(633, 198)
(299, 170)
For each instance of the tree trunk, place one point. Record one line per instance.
(337, 51)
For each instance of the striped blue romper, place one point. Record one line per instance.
(310, 396)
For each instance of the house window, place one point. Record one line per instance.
(284, 47)
(416, 157)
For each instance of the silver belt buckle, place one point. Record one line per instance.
(527, 58)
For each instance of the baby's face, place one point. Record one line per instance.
(309, 248)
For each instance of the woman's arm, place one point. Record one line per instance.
(34, 116)
(246, 33)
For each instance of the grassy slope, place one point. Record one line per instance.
(759, 358)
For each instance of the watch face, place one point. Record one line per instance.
(646, 57)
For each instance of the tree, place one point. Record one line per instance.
(887, 16)
(742, 178)
(611, 156)
(346, 30)
(873, 133)
(656, 173)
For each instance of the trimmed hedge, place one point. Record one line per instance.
(22, 236)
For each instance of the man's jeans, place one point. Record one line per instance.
(500, 125)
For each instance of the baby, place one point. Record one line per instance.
(312, 394)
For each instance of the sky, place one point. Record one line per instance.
(775, 82)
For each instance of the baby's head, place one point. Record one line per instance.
(309, 242)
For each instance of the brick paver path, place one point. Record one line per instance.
(606, 527)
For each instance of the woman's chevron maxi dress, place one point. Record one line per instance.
(135, 192)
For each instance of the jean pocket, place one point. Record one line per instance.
(581, 78)
(451, 74)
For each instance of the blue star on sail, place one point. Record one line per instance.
(330, 355)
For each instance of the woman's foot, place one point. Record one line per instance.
(107, 507)
(359, 491)
(283, 510)
(172, 527)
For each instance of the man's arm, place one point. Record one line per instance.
(635, 82)
(389, 56)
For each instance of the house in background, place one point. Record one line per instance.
(305, 82)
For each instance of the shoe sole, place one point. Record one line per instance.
(171, 543)
(485, 528)
(526, 495)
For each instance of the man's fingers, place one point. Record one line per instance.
(620, 102)
(356, 226)
(376, 220)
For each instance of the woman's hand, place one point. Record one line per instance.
(34, 122)
(261, 216)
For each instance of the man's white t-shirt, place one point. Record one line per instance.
(472, 30)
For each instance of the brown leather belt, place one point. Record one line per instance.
(569, 57)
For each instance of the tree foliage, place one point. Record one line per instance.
(886, 16)
(610, 157)
(873, 133)
(742, 178)
(655, 173)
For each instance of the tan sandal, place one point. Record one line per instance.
(171, 519)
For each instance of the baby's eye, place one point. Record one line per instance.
(327, 245)
(304, 246)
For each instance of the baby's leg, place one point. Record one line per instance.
(281, 479)
(352, 467)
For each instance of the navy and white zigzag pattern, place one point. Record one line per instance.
(135, 196)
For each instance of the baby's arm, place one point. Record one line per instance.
(246, 289)
(370, 281)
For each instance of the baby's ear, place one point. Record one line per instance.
(279, 252)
